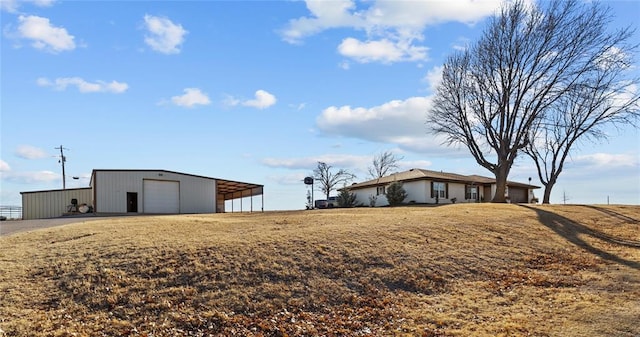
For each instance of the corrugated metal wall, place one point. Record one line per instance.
(197, 194)
(51, 204)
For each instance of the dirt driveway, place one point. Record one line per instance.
(15, 226)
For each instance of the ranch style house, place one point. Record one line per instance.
(431, 187)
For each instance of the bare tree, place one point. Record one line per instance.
(607, 96)
(383, 164)
(329, 180)
(493, 94)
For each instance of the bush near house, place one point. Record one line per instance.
(346, 198)
(396, 194)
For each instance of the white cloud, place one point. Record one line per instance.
(42, 3)
(433, 78)
(391, 27)
(4, 167)
(309, 163)
(30, 152)
(230, 101)
(288, 179)
(191, 98)
(399, 122)
(262, 100)
(423, 13)
(31, 177)
(298, 107)
(385, 51)
(44, 35)
(83, 86)
(461, 44)
(12, 6)
(163, 35)
(324, 15)
(606, 160)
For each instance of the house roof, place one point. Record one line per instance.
(420, 174)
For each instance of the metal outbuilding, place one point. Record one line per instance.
(52, 203)
(143, 192)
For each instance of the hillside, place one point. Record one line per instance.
(455, 270)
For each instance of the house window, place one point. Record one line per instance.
(380, 190)
(471, 192)
(439, 190)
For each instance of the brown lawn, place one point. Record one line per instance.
(455, 270)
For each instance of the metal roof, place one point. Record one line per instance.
(230, 189)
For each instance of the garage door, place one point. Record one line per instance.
(161, 196)
(517, 195)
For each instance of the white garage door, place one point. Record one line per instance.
(161, 196)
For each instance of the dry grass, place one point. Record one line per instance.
(457, 270)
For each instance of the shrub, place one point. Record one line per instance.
(372, 200)
(346, 198)
(396, 194)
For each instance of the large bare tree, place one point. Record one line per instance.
(607, 96)
(329, 179)
(493, 94)
(383, 163)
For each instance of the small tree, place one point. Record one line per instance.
(346, 198)
(383, 164)
(328, 180)
(396, 194)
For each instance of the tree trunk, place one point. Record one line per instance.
(501, 184)
(547, 194)
(547, 189)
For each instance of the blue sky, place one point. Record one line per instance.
(255, 91)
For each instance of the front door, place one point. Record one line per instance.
(487, 194)
(132, 202)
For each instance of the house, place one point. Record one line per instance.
(142, 192)
(431, 187)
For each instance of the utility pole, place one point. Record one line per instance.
(564, 197)
(62, 160)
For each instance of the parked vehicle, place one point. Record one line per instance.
(321, 204)
(332, 202)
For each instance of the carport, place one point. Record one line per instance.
(229, 190)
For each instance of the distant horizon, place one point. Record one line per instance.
(254, 92)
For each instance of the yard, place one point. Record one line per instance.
(453, 270)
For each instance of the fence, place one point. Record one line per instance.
(11, 212)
